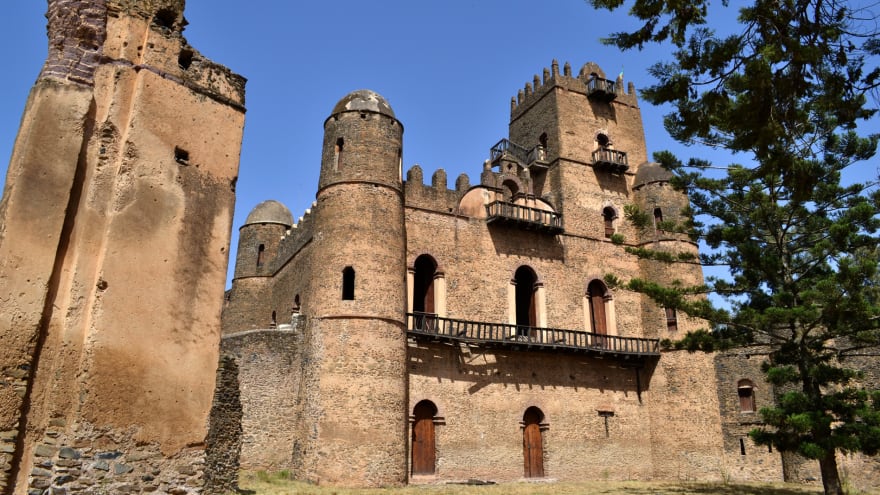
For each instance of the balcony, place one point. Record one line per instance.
(524, 217)
(601, 89)
(535, 157)
(431, 327)
(612, 160)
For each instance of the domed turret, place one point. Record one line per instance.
(650, 172)
(362, 142)
(259, 237)
(363, 100)
(270, 211)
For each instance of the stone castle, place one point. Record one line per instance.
(395, 333)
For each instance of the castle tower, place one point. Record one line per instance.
(592, 134)
(116, 218)
(356, 333)
(248, 304)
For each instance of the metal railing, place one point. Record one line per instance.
(522, 154)
(524, 215)
(478, 332)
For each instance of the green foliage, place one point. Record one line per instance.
(617, 239)
(786, 91)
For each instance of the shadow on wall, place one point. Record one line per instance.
(528, 370)
(510, 242)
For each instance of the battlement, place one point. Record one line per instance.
(437, 196)
(293, 240)
(591, 81)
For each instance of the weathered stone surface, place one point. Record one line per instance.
(115, 194)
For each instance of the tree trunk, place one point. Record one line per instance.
(830, 477)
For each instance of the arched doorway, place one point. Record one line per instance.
(423, 446)
(423, 287)
(533, 443)
(424, 308)
(526, 311)
(597, 293)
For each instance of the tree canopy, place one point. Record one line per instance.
(785, 93)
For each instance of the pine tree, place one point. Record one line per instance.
(787, 91)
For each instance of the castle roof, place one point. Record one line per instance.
(364, 100)
(270, 211)
(651, 172)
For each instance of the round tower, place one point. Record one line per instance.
(259, 237)
(356, 329)
(248, 303)
(664, 207)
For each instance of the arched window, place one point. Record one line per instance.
(510, 190)
(526, 304)
(423, 438)
(597, 297)
(658, 217)
(671, 320)
(296, 304)
(746, 391)
(348, 284)
(274, 319)
(261, 251)
(340, 145)
(608, 216)
(603, 141)
(533, 443)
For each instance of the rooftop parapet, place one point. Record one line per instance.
(590, 81)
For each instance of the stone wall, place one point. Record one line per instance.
(116, 220)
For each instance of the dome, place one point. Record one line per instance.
(651, 172)
(364, 100)
(270, 211)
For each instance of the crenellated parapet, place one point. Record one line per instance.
(437, 196)
(293, 241)
(590, 81)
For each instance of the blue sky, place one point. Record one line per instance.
(447, 68)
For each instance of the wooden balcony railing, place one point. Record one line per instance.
(613, 160)
(427, 325)
(601, 89)
(524, 217)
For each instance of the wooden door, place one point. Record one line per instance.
(533, 448)
(423, 452)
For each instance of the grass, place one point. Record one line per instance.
(262, 483)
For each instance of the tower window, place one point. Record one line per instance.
(608, 215)
(184, 60)
(348, 284)
(746, 391)
(658, 217)
(340, 145)
(671, 320)
(181, 156)
(261, 251)
(603, 140)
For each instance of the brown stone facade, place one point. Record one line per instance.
(115, 227)
(475, 335)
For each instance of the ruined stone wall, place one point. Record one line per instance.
(269, 365)
(116, 220)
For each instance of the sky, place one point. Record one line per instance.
(448, 69)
